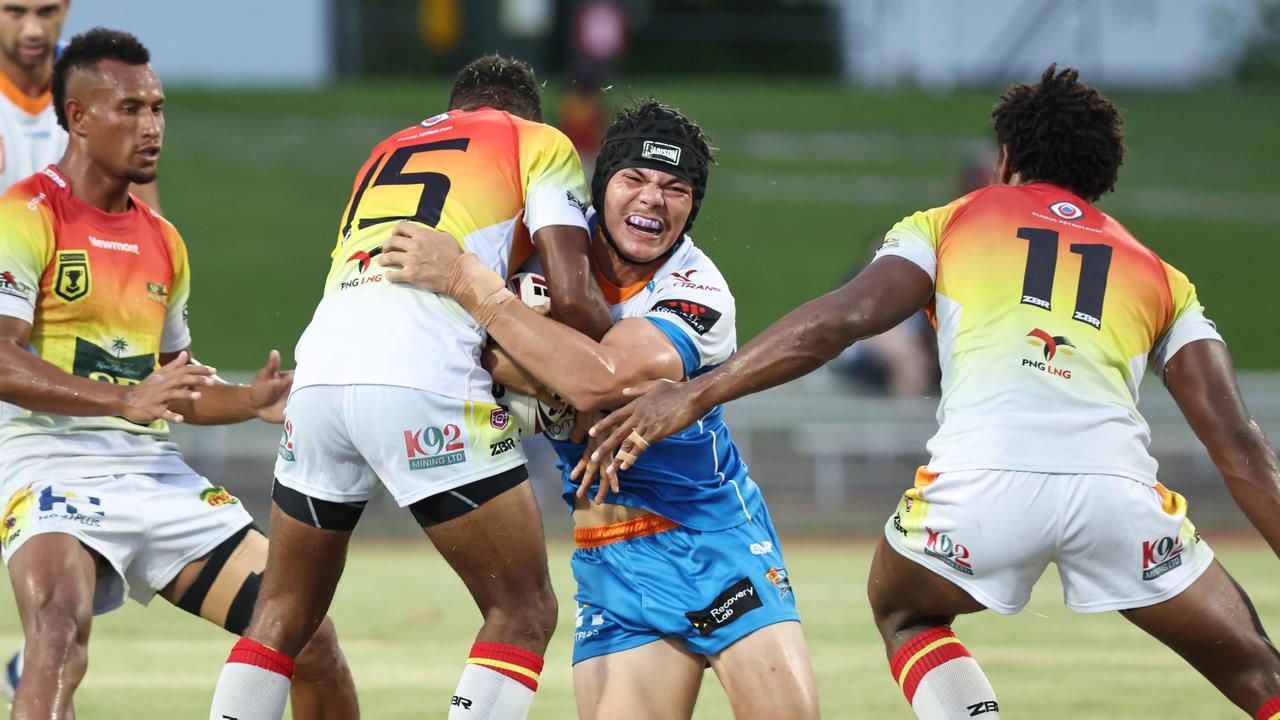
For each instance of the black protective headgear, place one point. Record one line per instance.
(657, 137)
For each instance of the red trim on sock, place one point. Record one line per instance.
(917, 667)
(531, 662)
(1270, 710)
(248, 652)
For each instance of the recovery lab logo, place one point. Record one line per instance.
(737, 600)
(1066, 210)
(1051, 346)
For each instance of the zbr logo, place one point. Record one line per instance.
(1161, 556)
(1066, 210)
(433, 447)
(1052, 343)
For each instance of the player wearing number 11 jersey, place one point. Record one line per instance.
(389, 389)
(1048, 313)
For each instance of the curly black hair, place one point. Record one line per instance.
(87, 50)
(502, 83)
(1063, 132)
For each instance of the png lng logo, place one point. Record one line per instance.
(1051, 346)
(365, 258)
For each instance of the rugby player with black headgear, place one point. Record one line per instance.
(677, 563)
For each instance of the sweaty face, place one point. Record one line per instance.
(29, 29)
(645, 211)
(119, 111)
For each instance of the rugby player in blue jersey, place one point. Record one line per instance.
(678, 565)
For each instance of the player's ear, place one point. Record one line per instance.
(1003, 174)
(76, 112)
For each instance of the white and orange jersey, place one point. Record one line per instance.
(486, 177)
(1048, 313)
(30, 137)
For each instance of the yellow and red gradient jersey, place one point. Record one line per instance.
(1047, 312)
(486, 177)
(105, 293)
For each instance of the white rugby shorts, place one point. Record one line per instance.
(147, 527)
(1118, 543)
(340, 440)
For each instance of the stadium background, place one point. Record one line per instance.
(833, 120)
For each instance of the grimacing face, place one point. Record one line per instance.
(29, 29)
(118, 110)
(646, 210)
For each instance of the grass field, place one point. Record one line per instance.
(406, 625)
(809, 174)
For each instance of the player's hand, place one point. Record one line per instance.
(662, 408)
(587, 469)
(270, 390)
(420, 256)
(175, 381)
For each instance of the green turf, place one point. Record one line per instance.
(406, 624)
(809, 173)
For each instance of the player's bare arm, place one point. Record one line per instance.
(589, 375)
(880, 297)
(1202, 380)
(224, 403)
(35, 384)
(564, 252)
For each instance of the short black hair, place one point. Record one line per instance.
(1063, 132)
(85, 51)
(501, 83)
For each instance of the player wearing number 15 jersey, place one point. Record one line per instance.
(390, 389)
(1048, 313)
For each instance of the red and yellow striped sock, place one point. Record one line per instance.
(923, 653)
(514, 662)
(1270, 710)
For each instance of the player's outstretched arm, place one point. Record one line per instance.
(1202, 380)
(880, 297)
(576, 301)
(224, 403)
(35, 384)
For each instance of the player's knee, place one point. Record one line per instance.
(322, 658)
(531, 617)
(58, 636)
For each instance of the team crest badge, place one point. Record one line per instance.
(778, 576)
(71, 279)
(217, 496)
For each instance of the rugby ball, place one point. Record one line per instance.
(531, 415)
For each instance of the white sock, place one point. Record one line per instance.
(941, 680)
(498, 683)
(254, 684)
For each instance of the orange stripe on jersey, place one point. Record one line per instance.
(26, 103)
(614, 294)
(924, 478)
